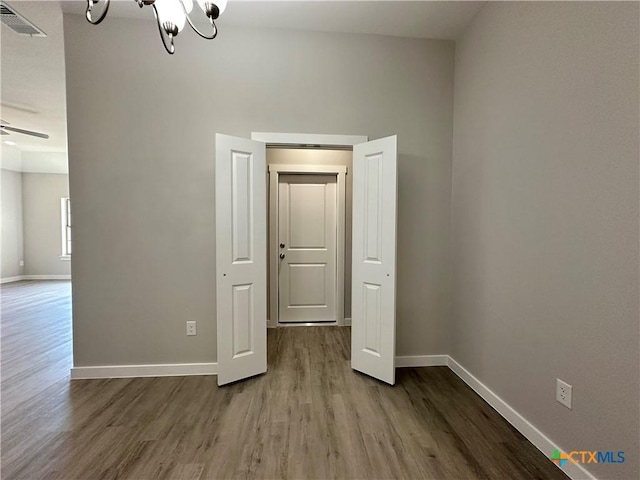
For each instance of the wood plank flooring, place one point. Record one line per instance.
(310, 416)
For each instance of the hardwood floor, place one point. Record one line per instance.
(310, 416)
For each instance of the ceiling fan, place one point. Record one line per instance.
(5, 128)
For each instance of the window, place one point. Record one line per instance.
(65, 219)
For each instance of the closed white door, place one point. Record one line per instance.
(307, 237)
(241, 260)
(373, 324)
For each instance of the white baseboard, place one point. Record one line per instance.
(347, 322)
(11, 279)
(46, 277)
(34, 277)
(422, 361)
(526, 428)
(130, 371)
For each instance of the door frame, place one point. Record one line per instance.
(340, 171)
(316, 141)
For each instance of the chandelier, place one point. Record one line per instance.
(171, 16)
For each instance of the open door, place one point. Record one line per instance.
(373, 323)
(241, 258)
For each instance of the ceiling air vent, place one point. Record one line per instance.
(18, 23)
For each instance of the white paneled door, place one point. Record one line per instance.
(307, 236)
(241, 255)
(241, 262)
(373, 327)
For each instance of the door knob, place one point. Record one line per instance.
(282, 255)
(282, 245)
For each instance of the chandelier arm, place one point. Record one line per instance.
(169, 48)
(195, 29)
(90, 4)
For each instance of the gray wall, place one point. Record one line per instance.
(297, 156)
(42, 229)
(12, 246)
(545, 217)
(141, 129)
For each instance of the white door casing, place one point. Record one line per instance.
(241, 247)
(275, 171)
(374, 258)
(307, 218)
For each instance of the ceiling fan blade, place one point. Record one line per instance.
(25, 132)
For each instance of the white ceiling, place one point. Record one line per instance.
(33, 77)
(417, 19)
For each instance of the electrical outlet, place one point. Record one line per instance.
(563, 393)
(21, 263)
(191, 328)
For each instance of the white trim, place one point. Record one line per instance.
(272, 255)
(135, 371)
(65, 258)
(422, 361)
(47, 277)
(11, 279)
(306, 139)
(347, 322)
(34, 277)
(63, 227)
(274, 173)
(310, 169)
(526, 428)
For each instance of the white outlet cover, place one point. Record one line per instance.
(563, 393)
(191, 328)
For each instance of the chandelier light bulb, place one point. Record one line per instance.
(171, 12)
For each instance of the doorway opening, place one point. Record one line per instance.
(242, 248)
(309, 230)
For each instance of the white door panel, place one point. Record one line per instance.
(241, 289)
(374, 258)
(307, 234)
(307, 215)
